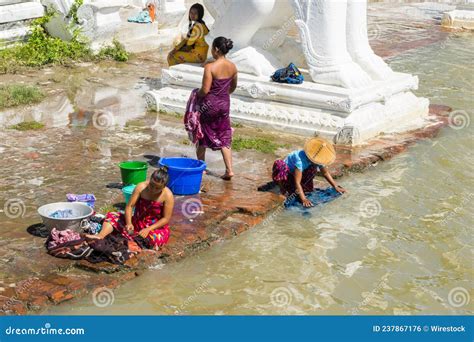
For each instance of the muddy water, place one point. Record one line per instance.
(400, 242)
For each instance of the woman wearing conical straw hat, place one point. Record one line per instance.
(295, 173)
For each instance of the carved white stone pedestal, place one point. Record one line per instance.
(350, 116)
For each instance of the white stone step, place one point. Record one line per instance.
(21, 11)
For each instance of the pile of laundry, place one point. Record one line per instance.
(114, 248)
(71, 244)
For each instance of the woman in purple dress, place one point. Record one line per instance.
(218, 82)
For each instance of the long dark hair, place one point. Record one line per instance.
(200, 10)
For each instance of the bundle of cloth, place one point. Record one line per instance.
(192, 117)
(89, 199)
(114, 248)
(142, 18)
(146, 16)
(66, 213)
(291, 74)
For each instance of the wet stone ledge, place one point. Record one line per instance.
(229, 209)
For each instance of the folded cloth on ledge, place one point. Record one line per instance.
(143, 18)
(80, 198)
(66, 213)
(58, 237)
(317, 197)
(89, 199)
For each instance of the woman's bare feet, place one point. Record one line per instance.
(227, 176)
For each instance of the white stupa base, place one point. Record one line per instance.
(459, 18)
(349, 116)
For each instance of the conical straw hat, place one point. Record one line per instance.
(320, 151)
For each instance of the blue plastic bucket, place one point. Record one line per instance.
(127, 192)
(185, 174)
